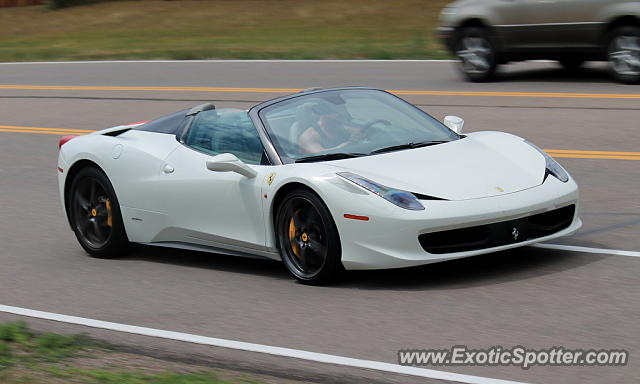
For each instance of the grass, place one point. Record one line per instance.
(228, 29)
(19, 345)
(101, 376)
(26, 357)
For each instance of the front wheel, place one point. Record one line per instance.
(95, 216)
(477, 54)
(308, 238)
(624, 54)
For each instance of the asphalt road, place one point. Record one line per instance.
(532, 297)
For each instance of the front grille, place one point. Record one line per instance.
(497, 234)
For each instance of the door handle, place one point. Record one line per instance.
(167, 169)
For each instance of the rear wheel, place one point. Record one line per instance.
(624, 54)
(476, 53)
(95, 216)
(308, 238)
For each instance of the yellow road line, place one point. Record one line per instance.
(567, 151)
(630, 96)
(148, 88)
(10, 128)
(52, 132)
(577, 156)
(563, 153)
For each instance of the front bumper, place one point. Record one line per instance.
(63, 169)
(391, 240)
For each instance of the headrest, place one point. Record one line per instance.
(305, 115)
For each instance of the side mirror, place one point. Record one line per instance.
(228, 162)
(454, 123)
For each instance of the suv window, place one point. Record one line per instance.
(226, 131)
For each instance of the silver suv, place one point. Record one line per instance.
(486, 33)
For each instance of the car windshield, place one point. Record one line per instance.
(347, 123)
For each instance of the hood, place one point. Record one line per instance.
(483, 164)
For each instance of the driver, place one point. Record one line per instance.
(329, 132)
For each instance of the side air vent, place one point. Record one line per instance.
(116, 133)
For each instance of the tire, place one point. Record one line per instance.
(476, 54)
(308, 239)
(571, 63)
(623, 53)
(94, 213)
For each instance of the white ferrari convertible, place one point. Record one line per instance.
(324, 180)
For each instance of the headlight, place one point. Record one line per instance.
(402, 199)
(553, 168)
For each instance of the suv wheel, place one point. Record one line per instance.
(476, 54)
(623, 52)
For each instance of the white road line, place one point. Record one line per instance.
(248, 61)
(225, 61)
(587, 249)
(259, 348)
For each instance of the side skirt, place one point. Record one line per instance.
(255, 254)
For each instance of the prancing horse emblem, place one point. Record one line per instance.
(515, 233)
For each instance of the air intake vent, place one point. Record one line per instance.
(497, 234)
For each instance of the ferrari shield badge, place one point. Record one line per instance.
(270, 178)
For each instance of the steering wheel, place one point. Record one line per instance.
(367, 131)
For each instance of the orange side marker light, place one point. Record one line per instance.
(355, 217)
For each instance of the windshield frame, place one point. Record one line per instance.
(257, 115)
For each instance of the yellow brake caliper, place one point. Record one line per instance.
(292, 236)
(107, 203)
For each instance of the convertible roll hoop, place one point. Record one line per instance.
(200, 108)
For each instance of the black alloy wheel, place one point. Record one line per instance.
(307, 238)
(95, 215)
